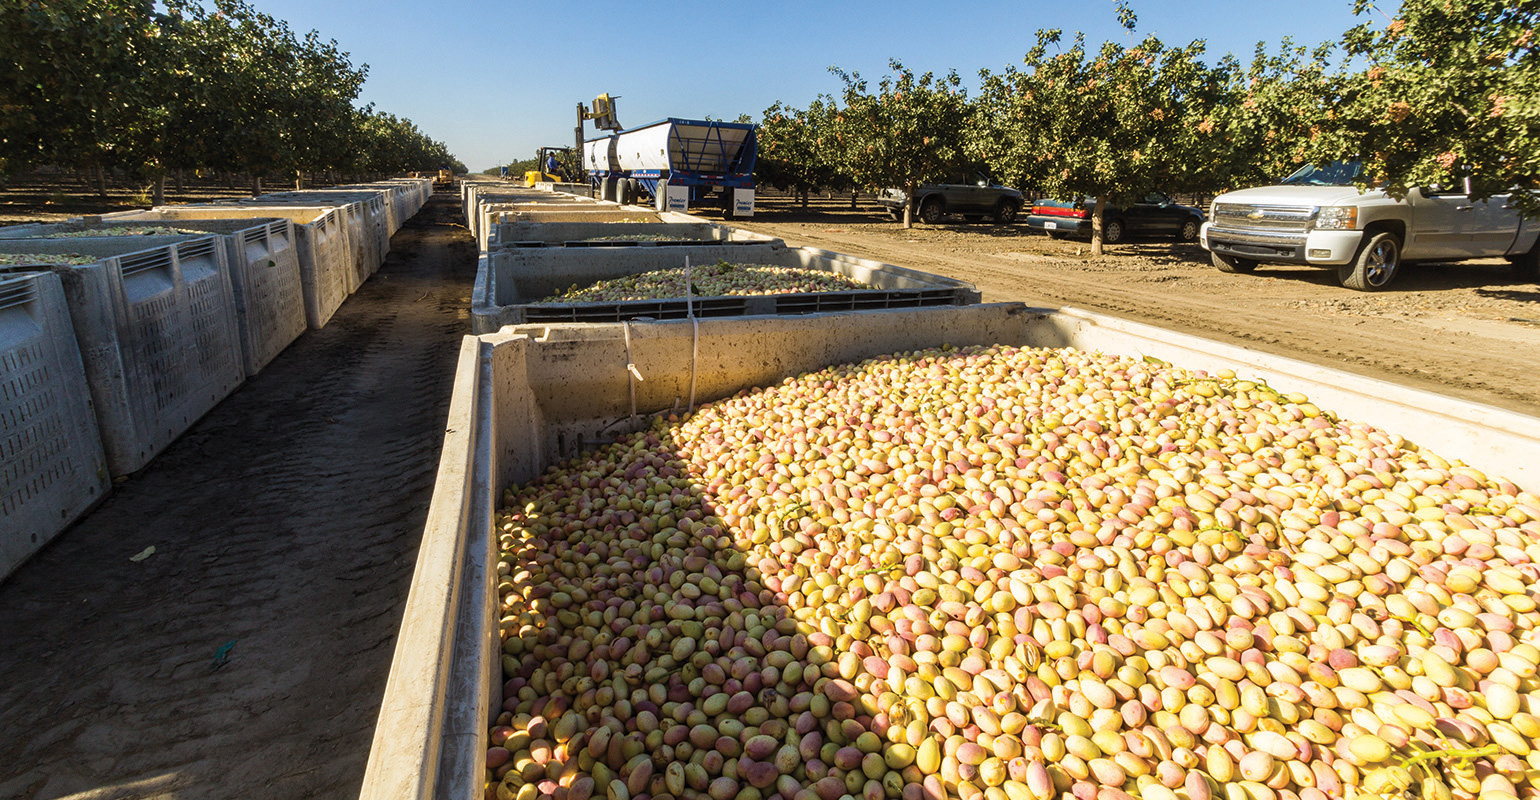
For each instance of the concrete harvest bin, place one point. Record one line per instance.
(54, 468)
(511, 283)
(527, 397)
(320, 234)
(157, 334)
(264, 274)
(614, 234)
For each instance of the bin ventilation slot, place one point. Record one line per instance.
(197, 249)
(17, 293)
(135, 263)
(254, 235)
(634, 309)
(861, 300)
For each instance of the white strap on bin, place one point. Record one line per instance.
(633, 376)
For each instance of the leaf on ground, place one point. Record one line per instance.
(143, 554)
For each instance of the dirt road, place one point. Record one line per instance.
(285, 525)
(1469, 330)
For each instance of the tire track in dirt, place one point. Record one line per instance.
(1247, 311)
(287, 521)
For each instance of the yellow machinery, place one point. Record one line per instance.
(542, 174)
(445, 178)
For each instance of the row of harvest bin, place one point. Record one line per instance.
(117, 333)
(528, 395)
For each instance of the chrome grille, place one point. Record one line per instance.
(1268, 218)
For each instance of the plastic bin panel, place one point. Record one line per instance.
(52, 468)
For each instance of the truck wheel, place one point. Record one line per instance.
(1005, 212)
(1244, 266)
(1375, 264)
(727, 204)
(931, 211)
(1189, 232)
(1527, 267)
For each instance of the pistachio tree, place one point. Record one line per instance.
(907, 131)
(1449, 90)
(798, 147)
(1109, 125)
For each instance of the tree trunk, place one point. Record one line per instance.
(299, 180)
(158, 197)
(230, 180)
(804, 198)
(909, 190)
(256, 184)
(853, 197)
(101, 181)
(1097, 215)
(180, 185)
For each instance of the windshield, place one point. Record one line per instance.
(1337, 173)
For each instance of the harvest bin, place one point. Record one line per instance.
(264, 275)
(510, 284)
(157, 334)
(527, 397)
(54, 469)
(365, 215)
(581, 234)
(320, 233)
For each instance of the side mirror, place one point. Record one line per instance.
(983, 183)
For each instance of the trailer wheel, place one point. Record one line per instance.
(727, 204)
(625, 192)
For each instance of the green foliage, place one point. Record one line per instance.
(74, 77)
(202, 85)
(1451, 90)
(1117, 124)
(798, 147)
(1275, 116)
(907, 132)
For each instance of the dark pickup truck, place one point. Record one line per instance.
(974, 197)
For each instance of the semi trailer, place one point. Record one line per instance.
(676, 163)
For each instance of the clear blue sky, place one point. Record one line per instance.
(495, 80)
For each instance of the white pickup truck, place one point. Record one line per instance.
(1318, 217)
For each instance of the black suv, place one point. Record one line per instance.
(973, 196)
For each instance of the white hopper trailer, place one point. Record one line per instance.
(676, 162)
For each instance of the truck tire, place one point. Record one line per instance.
(1375, 264)
(1527, 267)
(625, 192)
(1005, 212)
(931, 211)
(1244, 266)
(727, 204)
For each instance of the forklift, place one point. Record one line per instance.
(565, 166)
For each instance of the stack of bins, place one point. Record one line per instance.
(156, 324)
(54, 468)
(264, 275)
(525, 399)
(325, 253)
